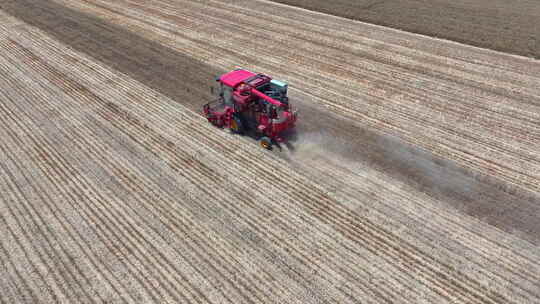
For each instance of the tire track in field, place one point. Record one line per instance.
(473, 164)
(220, 16)
(154, 145)
(45, 201)
(220, 21)
(22, 279)
(7, 281)
(115, 110)
(239, 159)
(49, 249)
(168, 147)
(333, 217)
(352, 190)
(96, 268)
(338, 96)
(343, 67)
(53, 184)
(126, 236)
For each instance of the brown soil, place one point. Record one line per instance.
(162, 69)
(507, 26)
(188, 81)
(113, 192)
(170, 72)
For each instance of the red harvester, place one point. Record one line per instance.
(252, 104)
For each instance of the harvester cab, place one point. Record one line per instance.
(252, 104)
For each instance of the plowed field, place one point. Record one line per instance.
(508, 26)
(413, 175)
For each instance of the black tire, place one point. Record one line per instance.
(266, 143)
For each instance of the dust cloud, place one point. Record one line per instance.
(325, 141)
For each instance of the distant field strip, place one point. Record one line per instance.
(511, 27)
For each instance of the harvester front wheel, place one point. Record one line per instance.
(266, 143)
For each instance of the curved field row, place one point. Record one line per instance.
(142, 137)
(516, 207)
(478, 120)
(118, 193)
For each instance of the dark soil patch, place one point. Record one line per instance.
(172, 73)
(507, 26)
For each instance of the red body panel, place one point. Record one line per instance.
(234, 78)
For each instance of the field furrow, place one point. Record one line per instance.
(413, 176)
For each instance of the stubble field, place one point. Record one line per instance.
(413, 176)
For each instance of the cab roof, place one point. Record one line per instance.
(235, 77)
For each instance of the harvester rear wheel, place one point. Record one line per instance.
(266, 143)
